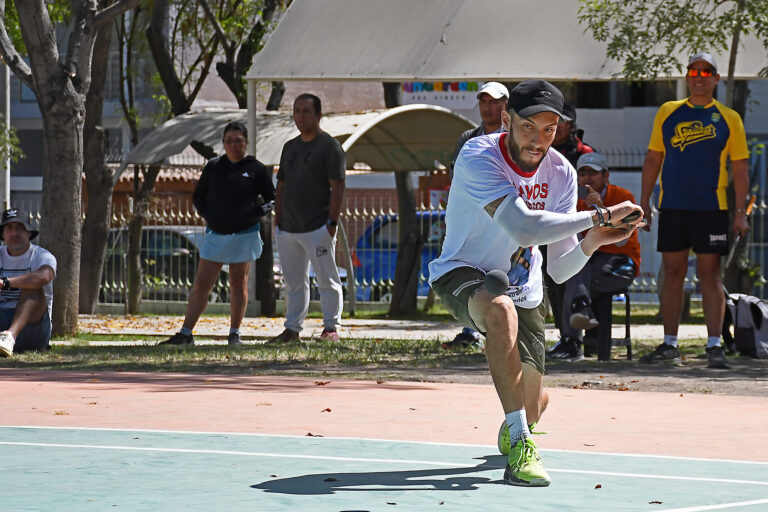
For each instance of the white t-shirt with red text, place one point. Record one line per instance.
(483, 173)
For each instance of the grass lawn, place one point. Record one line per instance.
(642, 314)
(249, 359)
(350, 357)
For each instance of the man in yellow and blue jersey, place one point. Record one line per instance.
(690, 145)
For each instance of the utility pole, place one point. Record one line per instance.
(5, 111)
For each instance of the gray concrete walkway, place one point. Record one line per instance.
(264, 327)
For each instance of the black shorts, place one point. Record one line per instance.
(32, 336)
(704, 231)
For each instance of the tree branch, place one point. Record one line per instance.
(79, 46)
(108, 14)
(163, 61)
(217, 28)
(11, 56)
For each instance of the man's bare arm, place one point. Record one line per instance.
(33, 280)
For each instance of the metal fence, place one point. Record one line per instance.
(368, 249)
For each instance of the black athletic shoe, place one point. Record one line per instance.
(567, 349)
(663, 353)
(716, 358)
(179, 339)
(287, 336)
(233, 340)
(463, 340)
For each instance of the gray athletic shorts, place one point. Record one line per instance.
(456, 288)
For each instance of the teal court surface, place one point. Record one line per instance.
(74, 469)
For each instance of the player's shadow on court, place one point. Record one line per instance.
(442, 479)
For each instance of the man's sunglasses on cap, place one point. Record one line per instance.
(704, 73)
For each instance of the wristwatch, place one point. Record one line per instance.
(332, 222)
(6, 284)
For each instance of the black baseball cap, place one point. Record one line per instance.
(532, 97)
(17, 215)
(569, 111)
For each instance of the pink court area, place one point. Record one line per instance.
(685, 425)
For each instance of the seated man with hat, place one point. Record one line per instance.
(611, 268)
(26, 295)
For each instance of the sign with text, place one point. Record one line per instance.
(453, 95)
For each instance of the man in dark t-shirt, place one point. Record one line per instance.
(310, 188)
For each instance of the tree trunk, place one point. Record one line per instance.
(410, 239)
(730, 86)
(276, 96)
(738, 277)
(393, 94)
(135, 275)
(265, 276)
(142, 191)
(60, 223)
(410, 242)
(98, 178)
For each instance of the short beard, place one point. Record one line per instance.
(515, 151)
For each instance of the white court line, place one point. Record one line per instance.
(717, 507)
(366, 439)
(246, 454)
(361, 459)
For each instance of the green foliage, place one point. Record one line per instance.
(9, 144)
(59, 11)
(648, 35)
(14, 29)
(194, 44)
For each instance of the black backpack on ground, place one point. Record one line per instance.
(749, 317)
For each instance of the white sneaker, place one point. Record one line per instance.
(6, 344)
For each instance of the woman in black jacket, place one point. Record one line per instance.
(234, 192)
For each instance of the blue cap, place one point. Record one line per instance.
(594, 160)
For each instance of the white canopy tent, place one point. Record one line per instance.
(401, 40)
(451, 40)
(407, 138)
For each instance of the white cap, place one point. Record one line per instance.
(706, 57)
(494, 89)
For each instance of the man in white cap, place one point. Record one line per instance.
(26, 295)
(690, 144)
(491, 102)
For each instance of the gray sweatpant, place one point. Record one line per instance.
(297, 251)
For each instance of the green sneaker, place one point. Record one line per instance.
(503, 441)
(524, 466)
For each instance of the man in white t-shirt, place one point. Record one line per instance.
(511, 193)
(26, 287)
